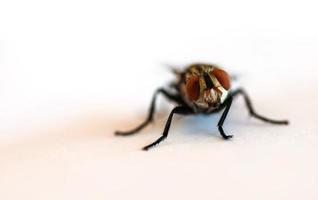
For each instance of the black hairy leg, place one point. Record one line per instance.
(151, 112)
(227, 104)
(252, 111)
(183, 110)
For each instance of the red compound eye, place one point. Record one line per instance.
(193, 88)
(222, 77)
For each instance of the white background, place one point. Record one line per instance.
(73, 72)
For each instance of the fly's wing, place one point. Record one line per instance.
(234, 77)
(175, 70)
(179, 76)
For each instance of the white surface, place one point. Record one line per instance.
(73, 72)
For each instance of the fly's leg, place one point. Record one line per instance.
(177, 110)
(252, 111)
(227, 105)
(151, 112)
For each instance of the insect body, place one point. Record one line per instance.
(200, 89)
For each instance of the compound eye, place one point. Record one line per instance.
(193, 88)
(222, 77)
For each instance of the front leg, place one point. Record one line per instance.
(227, 105)
(149, 119)
(252, 111)
(177, 110)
